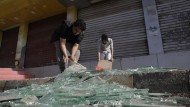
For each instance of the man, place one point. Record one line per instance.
(67, 38)
(105, 48)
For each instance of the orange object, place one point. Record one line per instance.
(99, 68)
(105, 64)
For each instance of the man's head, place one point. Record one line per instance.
(104, 38)
(79, 26)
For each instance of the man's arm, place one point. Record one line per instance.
(64, 50)
(112, 54)
(111, 50)
(74, 50)
(99, 47)
(98, 55)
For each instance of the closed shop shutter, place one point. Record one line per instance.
(122, 20)
(174, 19)
(8, 48)
(39, 50)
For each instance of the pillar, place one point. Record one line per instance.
(1, 36)
(72, 13)
(21, 45)
(152, 27)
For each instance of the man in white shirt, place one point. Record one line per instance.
(105, 48)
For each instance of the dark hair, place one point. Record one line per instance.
(80, 23)
(104, 38)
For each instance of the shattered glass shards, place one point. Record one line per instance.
(80, 87)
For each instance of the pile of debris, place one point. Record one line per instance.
(80, 87)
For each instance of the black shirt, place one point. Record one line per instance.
(65, 31)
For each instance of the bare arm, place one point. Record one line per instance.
(111, 50)
(74, 50)
(112, 54)
(64, 50)
(99, 46)
(98, 55)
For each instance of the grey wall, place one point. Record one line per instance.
(153, 33)
(179, 60)
(45, 71)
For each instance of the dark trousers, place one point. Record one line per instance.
(60, 56)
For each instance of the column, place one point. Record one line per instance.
(152, 27)
(1, 35)
(72, 13)
(21, 45)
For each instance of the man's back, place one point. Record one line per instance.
(62, 28)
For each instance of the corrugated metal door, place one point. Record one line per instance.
(8, 48)
(174, 19)
(122, 20)
(39, 50)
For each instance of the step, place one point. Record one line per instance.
(11, 69)
(12, 73)
(14, 77)
(8, 71)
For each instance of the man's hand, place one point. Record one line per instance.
(111, 59)
(66, 59)
(73, 59)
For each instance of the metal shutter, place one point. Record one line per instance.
(8, 47)
(39, 50)
(122, 20)
(174, 17)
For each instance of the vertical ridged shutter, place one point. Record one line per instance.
(174, 19)
(122, 20)
(8, 48)
(39, 50)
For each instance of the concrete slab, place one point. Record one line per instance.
(117, 64)
(161, 82)
(180, 60)
(93, 65)
(142, 61)
(37, 72)
(46, 71)
(13, 84)
(51, 71)
(2, 85)
(86, 64)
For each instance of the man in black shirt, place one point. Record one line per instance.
(67, 38)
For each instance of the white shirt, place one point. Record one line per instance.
(107, 47)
